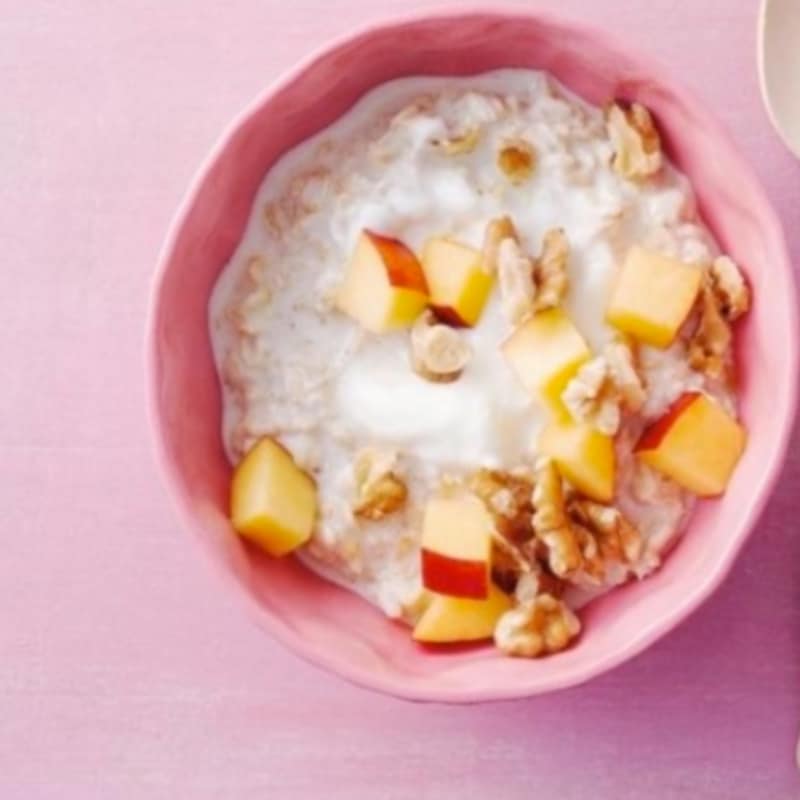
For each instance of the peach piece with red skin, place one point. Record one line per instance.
(696, 443)
(456, 546)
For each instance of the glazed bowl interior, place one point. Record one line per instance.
(327, 624)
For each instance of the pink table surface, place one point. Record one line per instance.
(125, 671)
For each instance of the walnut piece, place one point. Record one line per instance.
(497, 231)
(438, 352)
(711, 340)
(545, 625)
(550, 523)
(550, 270)
(509, 563)
(508, 498)
(602, 387)
(622, 369)
(459, 144)
(517, 160)
(379, 490)
(616, 537)
(729, 288)
(637, 145)
(591, 397)
(515, 275)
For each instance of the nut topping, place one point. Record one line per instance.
(709, 345)
(729, 288)
(602, 387)
(550, 523)
(637, 145)
(550, 270)
(379, 490)
(498, 230)
(515, 276)
(438, 352)
(544, 625)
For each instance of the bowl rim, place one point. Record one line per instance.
(180, 496)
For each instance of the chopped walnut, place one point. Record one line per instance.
(508, 498)
(379, 490)
(438, 352)
(535, 581)
(602, 387)
(545, 625)
(622, 369)
(616, 537)
(550, 270)
(509, 563)
(711, 340)
(459, 144)
(591, 397)
(517, 159)
(729, 288)
(637, 145)
(550, 523)
(497, 231)
(515, 276)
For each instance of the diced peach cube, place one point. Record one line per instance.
(583, 455)
(545, 352)
(458, 619)
(653, 296)
(696, 443)
(456, 546)
(459, 286)
(273, 502)
(384, 286)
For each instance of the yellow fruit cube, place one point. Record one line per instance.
(545, 352)
(459, 287)
(384, 288)
(652, 296)
(273, 502)
(696, 443)
(456, 546)
(458, 619)
(583, 455)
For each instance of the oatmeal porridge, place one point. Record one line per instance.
(474, 348)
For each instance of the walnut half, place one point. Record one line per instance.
(497, 231)
(603, 386)
(550, 523)
(711, 340)
(634, 136)
(729, 288)
(544, 625)
(515, 275)
(592, 398)
(550, 270)
(616, 539)
(379, 490)
(528, 285)
(438, 352)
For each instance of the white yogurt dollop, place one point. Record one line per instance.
(485, 418)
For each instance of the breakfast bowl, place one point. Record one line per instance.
(318, 619)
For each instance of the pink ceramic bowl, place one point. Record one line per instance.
(328, 625)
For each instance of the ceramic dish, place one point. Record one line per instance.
(325, 623)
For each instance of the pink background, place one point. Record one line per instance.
(125, 671)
